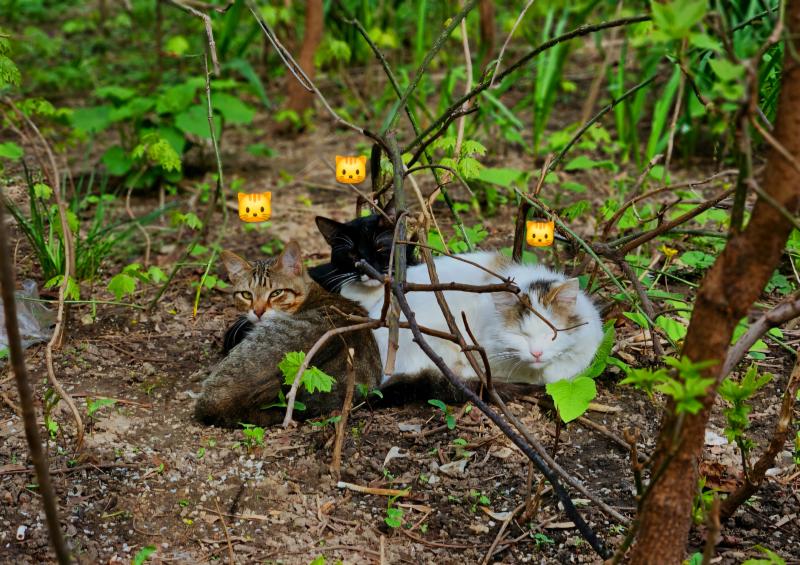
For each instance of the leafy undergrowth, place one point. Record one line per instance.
(151, 477)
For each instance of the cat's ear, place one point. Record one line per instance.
(328, 228)
(235, 265)
(505, 300)
(565, 294)
(390, 210)
(291, 260)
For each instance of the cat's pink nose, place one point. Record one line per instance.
(537, 354)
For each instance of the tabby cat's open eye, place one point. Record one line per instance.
(276, 293)
(247, 295)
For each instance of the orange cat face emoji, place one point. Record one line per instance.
(351, 170)
(540, 234)
(255, 207)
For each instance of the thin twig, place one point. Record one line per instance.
(225, 531)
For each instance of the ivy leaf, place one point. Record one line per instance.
(572, 397)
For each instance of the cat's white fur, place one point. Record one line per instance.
(510, 342)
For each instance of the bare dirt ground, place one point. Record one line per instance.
(151, 475)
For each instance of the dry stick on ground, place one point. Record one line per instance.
(225, 531)
(67, 277)
(290, 397)
(787, 309)
(500, 533)
(17, 355)
(754, 479)
(646, 303)
(341, 426)
(728, 290)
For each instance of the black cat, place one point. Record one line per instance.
(368, 238)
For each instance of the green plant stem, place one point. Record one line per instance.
(607, 108)
(437, 45)
(483, 85)
(202, 282)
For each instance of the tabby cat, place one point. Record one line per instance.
(293, 312)
(368, 238)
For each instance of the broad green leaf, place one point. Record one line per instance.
(176, 45)
(572, 398)
(143, 555)
(600, 360)
(674, 329)
(582, 163)
(501, 177)
(195, 121)
(116, 161)
(118, 93)
(233, 110)
(92, 119)
(10, 150)
(176, 98)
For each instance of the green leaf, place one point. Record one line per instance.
(122, 284)
(726, 70)
(156, 275)
(195, 121)
(582, 163)
(176, 45)
(92, 119)
(9, 73)
(674, 329)
(233, 110)
(438, 404)
(143, 554)
(572, 398)
(176, 98)
(394, 517)
(117, 93)
(600, 360)
(116, 161)
(501, 177)
(315, 379)
(697, 259)
(93, 406)
(10, 150)
(42, 191)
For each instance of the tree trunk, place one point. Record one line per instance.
(486, 11)
(298, 98)
(725, 296)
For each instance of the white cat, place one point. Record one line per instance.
(520, 346)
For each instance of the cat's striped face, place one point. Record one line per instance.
(351, 170)
(268, 287)
(255, 207)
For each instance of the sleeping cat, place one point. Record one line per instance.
(520, 346)
(368, 238)
(293, 312)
